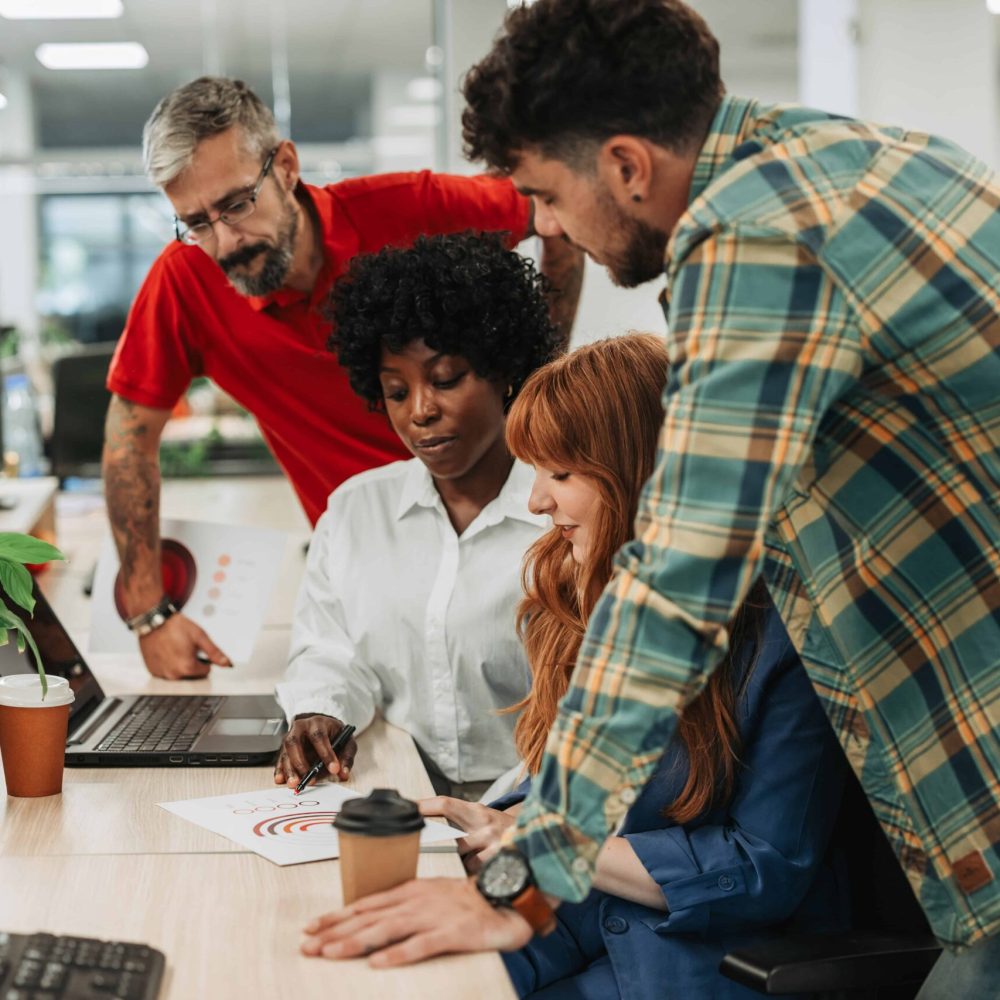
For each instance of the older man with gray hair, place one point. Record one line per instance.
(238, 297)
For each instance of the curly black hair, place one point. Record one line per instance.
(461, 294)
(566, 74)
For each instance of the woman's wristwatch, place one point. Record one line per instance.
(151, 620)
(506, 880)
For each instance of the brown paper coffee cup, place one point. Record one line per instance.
(33, 734)
(379, 843)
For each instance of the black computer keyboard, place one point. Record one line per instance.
(57, 967)
(156, 724)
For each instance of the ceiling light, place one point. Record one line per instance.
(99, 55)
(3, 102)
(18, 10)
(993, 6)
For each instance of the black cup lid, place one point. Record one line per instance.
(384, 813)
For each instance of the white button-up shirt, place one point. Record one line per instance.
(397, 613)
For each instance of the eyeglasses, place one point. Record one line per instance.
(231, 215)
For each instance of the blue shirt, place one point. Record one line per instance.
(756, 862)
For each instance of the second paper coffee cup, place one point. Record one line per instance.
(379, 842)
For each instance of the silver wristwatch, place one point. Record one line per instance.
(151, 620)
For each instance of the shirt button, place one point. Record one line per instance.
(580, 865)
(727, 883)
(616, 925)
(627, 795)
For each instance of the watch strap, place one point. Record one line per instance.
(534, 907)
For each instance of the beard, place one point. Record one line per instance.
(641, 257)
(276, 265)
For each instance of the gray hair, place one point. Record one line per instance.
(197, 111)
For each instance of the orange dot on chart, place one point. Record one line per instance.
(224, 560)
(219, 576)
(214, 593)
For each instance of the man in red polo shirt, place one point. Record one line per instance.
(239, 297)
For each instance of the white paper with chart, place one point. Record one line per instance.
(221, 575)
(281, 826)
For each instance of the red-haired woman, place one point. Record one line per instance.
(730, 835)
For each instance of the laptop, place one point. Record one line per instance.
(145, 730)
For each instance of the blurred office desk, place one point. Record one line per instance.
(28, 505)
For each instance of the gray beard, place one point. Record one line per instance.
(277, 262)
(274, 270)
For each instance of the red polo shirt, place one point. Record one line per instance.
(270, 353)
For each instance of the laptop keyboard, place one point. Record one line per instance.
(160, 724)
(57, 967)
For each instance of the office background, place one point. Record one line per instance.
(369, 86)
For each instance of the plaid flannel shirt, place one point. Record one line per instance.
(833, 421)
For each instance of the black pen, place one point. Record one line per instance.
(338, 744)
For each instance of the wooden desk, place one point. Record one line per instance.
(104, 860)
(229, 925)
(105, 810)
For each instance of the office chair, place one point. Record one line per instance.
(888, 954)
(80, 406)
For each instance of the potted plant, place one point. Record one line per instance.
(17, 550)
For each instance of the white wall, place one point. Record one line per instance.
(932, 65)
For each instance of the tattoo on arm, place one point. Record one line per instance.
(562, 264)
(132, 491)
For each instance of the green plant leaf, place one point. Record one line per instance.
(15, 581)
(4, 637)
(10, 620)
(25, 549)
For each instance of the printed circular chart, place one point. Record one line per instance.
(311, 829)
(179, 576)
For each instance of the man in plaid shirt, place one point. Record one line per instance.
(832, 421)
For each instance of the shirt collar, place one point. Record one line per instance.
(511, 502)
(317, 201)
(732, 125)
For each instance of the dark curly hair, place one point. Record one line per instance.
(565, 75)
(461, 294)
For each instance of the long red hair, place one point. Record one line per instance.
(597, 412)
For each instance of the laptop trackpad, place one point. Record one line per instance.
(239, 727)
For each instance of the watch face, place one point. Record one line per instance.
(505, 876)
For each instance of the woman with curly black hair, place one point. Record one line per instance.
(413, 577)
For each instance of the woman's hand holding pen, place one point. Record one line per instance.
(311, 737)
(484, 827)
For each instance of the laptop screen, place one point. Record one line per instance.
(60, 657)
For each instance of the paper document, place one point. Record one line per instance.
(281, 826)
(220, 575)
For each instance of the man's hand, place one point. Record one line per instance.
(414, 921)
(484, 827)
(171, 651)
(309, 740)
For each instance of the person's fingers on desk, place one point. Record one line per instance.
(171, 651)
(321, 738)
(467, 815)
(484, 826)
(309, 738)
(420, 919)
